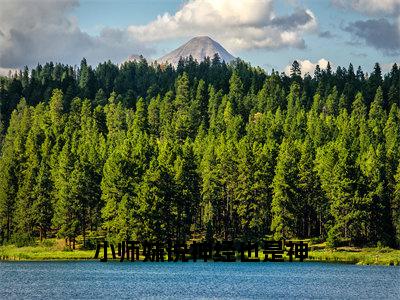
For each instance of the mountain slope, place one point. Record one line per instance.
(199, 47)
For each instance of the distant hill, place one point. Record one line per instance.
(199, 47)
(138, 58)
(135, 57)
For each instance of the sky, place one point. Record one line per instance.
(266, 33)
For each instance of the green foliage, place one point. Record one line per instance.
(207, 149)
(287, 201)
(22, 240)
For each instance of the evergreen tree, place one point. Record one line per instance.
(187, 190)
(295, 71)
(153, 116)
(87, 81)
(29, 169)
(65, 210)
(252, 191)
(200, 105)
(395, 209)
(42, 208)
(207, 149)
(236, 94)
(314, 212)
(158, 211)
(11, 162)
(122, 175)
(285, 200)
(182, 121)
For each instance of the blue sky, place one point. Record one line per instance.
(267, 33)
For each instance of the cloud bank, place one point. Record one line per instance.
(240, 25)
(34, 32)
(382, 32)
(378, 33)
(371, 7)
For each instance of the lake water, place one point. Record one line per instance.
(92, 279)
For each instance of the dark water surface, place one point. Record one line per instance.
(92, 279)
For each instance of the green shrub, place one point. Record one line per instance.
(22, 240)
(333, 240)
(48, 243)
(67, 249)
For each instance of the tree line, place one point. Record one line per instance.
(206, 149)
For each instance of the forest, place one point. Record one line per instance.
(204, 150)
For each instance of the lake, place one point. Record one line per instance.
(93, 279)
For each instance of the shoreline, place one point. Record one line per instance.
(238, 261)
(368, 256)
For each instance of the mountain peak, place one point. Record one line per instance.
(203, 38)
(198, 47)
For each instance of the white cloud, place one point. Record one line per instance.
(387, 67)
(245, 24)
(39, 31)
(6, 71)
(371, 7)
(308, 67)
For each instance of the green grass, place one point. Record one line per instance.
(361, 256)
(48, 250)
(53, 249)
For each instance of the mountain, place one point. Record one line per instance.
(199, 47)
(135, 57)
(138, 58)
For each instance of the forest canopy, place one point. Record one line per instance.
(143, 151)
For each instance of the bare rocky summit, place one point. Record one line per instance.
(199, 47)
